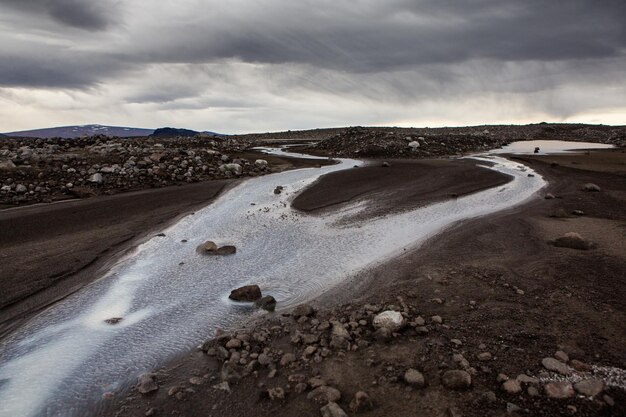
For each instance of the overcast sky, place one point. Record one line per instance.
(241, 66)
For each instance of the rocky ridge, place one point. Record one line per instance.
(43, 170)
(439, 142)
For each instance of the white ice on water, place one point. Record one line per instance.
(171, 298)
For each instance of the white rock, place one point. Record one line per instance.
(414, 145)
(391, 320)
(96, 178)
(235, 168)
(260, 163)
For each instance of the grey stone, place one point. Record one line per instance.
(414, 378)
(332, 409)
(456, 379)
(555, 365)
(589, 387)
(324, 394)
(559, 389)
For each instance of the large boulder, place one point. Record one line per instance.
(246, 293)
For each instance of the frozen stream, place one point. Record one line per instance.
(171, 298)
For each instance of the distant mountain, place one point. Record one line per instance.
(81, 131)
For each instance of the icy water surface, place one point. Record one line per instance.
(171, 298)
(547, 147)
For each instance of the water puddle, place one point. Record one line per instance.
(547, 147)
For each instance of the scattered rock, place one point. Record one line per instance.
(484, 356)
(580, 366)
(222, 386)
(559, 389)
(437, 319)
(196, 380)
(555, 365)
(512, 408)
(303, 310)
(414, 378)
(266, 303)
(562, 356)
(113, 320)
(324, 394)
(207, 247)
(287, 358)
(147, 383)
(278, 189)
(332, 409)
(591, 187)
(512, 386)
(276, 393)
(361, 402)
(390, 320)
(456, 379)
(96, 178)
(572, 240)
(589, 387)
(246, 293)
(226, 250)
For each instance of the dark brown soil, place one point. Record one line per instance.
(404, 185)
(494, 281)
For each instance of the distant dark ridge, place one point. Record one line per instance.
(79, 131)
(169, 132)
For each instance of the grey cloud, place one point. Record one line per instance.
(50, 66)
(267, 58)
(83, 14)
(404, 34)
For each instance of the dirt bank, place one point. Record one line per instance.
(403, 185)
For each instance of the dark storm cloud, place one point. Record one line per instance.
(367, 37)
(83, 14)
(399, 43)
